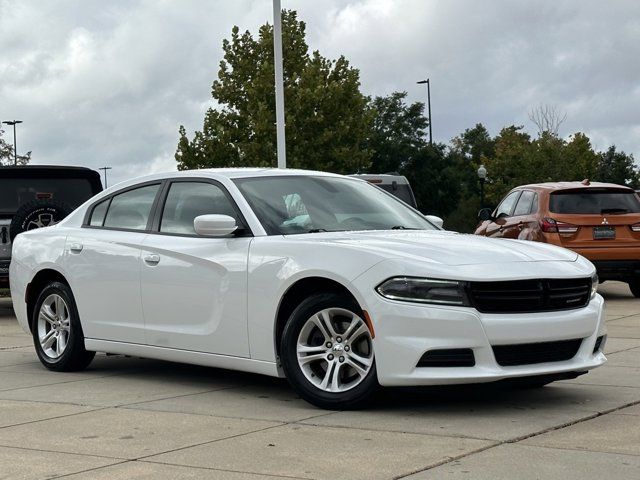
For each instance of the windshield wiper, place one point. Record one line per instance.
(317, 230)
(402, 227)
(613, 210)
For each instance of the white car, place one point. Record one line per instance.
(324, 279)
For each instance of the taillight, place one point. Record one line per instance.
(635, 227)
(549, 225)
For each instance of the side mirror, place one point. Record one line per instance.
(485, 214)
(214, 225)
(437, 221)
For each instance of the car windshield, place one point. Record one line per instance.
(15, 192)
(594, 202)
(307, 204)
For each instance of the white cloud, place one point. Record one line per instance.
(108, 83)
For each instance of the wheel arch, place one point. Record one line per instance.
(35, 286)
(297, 292)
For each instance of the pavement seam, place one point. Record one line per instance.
(225, 470)
(96, 409)
(524, 437)
(89, 470)
(569, 449)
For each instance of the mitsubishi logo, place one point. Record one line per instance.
(605, 221)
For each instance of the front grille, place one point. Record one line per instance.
(450, 357)
(521, 296)
(4, 267)
(531, 353)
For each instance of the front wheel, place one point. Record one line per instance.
(634, 286)
(327, 352)
(56, 329)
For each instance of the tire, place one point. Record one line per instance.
(57, 333)
(634, 286)
(342, 374)
(37, 214)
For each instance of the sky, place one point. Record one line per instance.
(108, 83)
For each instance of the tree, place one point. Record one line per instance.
(397, 134)
(7, 153)
(328, 118)
(617, 167)
(547, 118)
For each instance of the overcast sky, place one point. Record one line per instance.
(109, 82)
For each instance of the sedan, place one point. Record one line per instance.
(326, 280)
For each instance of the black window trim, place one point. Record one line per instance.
(243, 229)
(89, 212)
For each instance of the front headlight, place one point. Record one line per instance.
(424, 290)
(594, 285)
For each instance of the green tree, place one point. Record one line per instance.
(328, 118)
(397, 134)
(7, 155)
(617, 167)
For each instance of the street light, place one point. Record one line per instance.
(15, 148)
(422, 82)
(279, 83)
(104, 169)
(482, 176)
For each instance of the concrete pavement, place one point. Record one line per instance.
(144, 419)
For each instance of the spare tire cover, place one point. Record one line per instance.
(37, 214)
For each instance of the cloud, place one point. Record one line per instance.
(108, 83)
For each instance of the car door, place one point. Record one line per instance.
(501, 220)
(516, 225)
(194, 288)
(102, 260)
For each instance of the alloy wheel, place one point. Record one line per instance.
(334, 350)
(54, 326)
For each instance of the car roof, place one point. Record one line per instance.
(554, 186)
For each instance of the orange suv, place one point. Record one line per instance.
(600, 221)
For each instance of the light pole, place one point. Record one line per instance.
(15, 147)
(482, 176)
(279, 84)
(422, 82)
(104, 169)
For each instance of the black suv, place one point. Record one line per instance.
(35, 196)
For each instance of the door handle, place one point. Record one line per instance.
(75, 247)
(152, 259)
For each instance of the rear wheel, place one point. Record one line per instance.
(634, 286)
(56, 329)
(327, 352)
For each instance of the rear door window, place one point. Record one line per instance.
(525, 203)
(130, 210)
(594, 202)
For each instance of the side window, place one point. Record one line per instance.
(524, 203)
(98, 214)
(131, 209)
(187, 200)
(506, 207)
(534, 204)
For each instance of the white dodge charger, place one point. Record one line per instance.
(321, 278)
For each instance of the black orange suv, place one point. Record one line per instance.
(35, 196)
(600, 221)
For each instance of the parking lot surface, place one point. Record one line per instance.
(134, 418)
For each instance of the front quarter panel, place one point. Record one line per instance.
(276, 263)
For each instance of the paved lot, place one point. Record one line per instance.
(131, 418)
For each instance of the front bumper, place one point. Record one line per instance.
(405, 332)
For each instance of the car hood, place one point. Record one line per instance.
(443, 247)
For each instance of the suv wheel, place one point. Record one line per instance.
(56, 329)
(37, 214)
(634, 286)
(327, 352)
